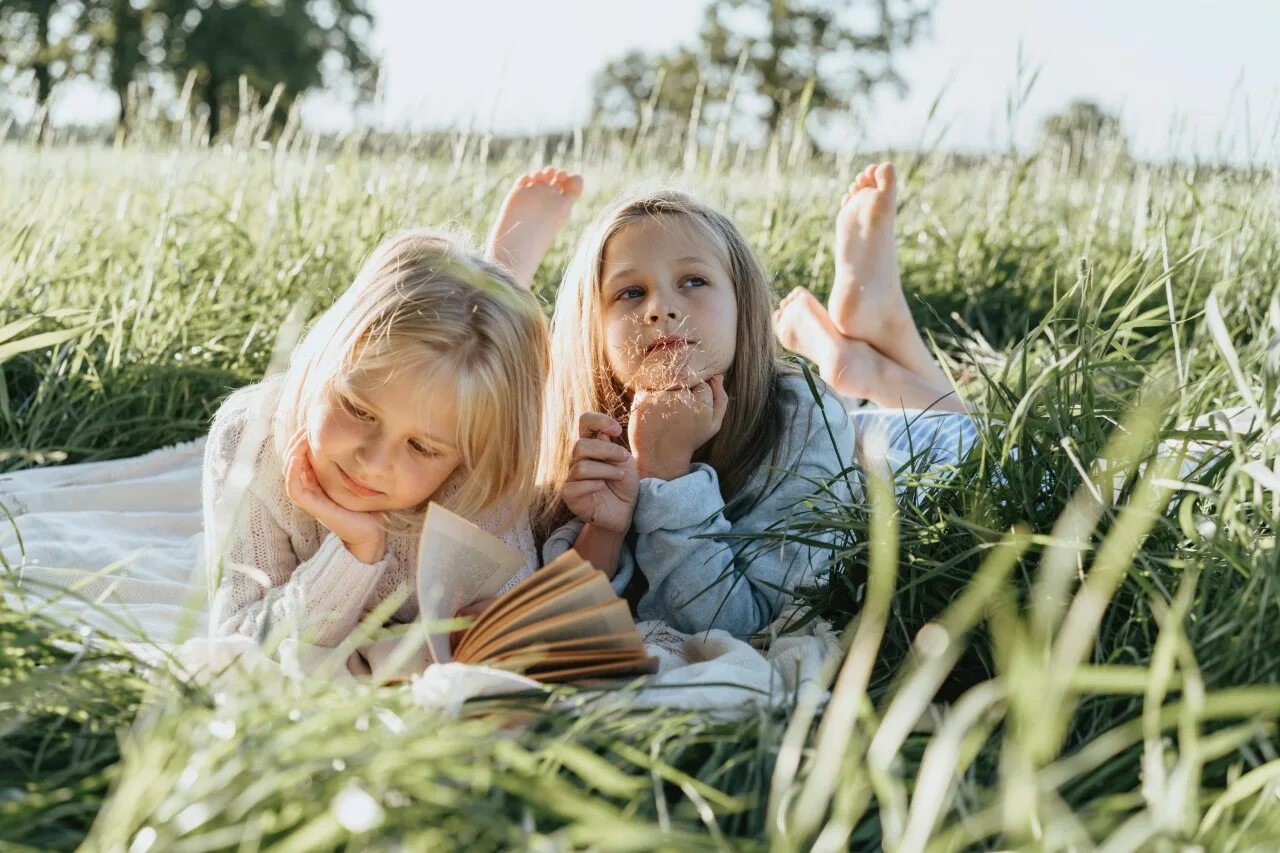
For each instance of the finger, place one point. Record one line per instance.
(598, 449)
(291, 482)
(719, 400)
(575, 492)
(591, 424)
(698, 397)
(589, 470)
(296, 443)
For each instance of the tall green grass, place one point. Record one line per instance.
(1069, 640)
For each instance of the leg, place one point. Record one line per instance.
(535, 209)
(867, 302)
(855, 368)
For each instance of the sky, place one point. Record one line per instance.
(1186, 76)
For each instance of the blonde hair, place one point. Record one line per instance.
(421, 303)
(581, 380)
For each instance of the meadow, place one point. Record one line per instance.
(1087, 620)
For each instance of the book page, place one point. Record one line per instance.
(457, 564)
(592, 588)
(603, 642)
(538, 586)
(612, 617)
(522, 660)
(573, 673)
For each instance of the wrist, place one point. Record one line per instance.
(604, 534)
(601, 547)
(368, 551)
(665, 466)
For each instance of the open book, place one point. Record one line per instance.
(562, 623)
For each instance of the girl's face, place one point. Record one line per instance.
(669, 311)
(383, 446)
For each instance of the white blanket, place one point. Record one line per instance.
(114, 546)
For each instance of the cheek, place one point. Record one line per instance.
(329, 434)
(622, 345)
(718, 330)
(426, 478)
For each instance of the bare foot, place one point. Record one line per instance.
(854, 368)
(867, 302)
(803, 326)
(536, 208)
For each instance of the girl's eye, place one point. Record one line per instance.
(696, 281)
(630, 293)
(356, 411)
(421, 449)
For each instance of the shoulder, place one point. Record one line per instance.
(812, 412)
(243, 419)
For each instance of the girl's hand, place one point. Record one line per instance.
(360, 532)
(602, 485)
(668, 427)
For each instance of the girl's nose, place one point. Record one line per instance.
(373, 458)
(657, 311)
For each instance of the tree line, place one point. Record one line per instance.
(757, 61)
(294, 44)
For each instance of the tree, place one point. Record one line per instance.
(295, 43)
(1081, 130)
(298, 43)
(40, 36)
(123, 34)
(836, 50)
(624, 87)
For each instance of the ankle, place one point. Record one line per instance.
(854, 368)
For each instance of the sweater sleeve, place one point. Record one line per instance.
(260, 582)
(703, 569)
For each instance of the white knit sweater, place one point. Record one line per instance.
(279, 565)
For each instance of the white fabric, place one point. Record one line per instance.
(140, 518)
(120, 537)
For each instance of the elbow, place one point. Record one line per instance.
(741, 614)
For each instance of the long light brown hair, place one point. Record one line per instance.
(456, 323)
(581, 380)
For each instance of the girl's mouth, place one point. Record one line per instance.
(667, 343)
(355, 486)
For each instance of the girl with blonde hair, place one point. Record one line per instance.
(423, 382)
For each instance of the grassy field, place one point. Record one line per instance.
(1100, 624)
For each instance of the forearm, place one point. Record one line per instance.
(700, 585)
(601, 548)
(322, 597)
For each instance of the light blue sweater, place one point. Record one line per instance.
(687, 542)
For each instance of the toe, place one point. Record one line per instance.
(572, 185)
(886, 176)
